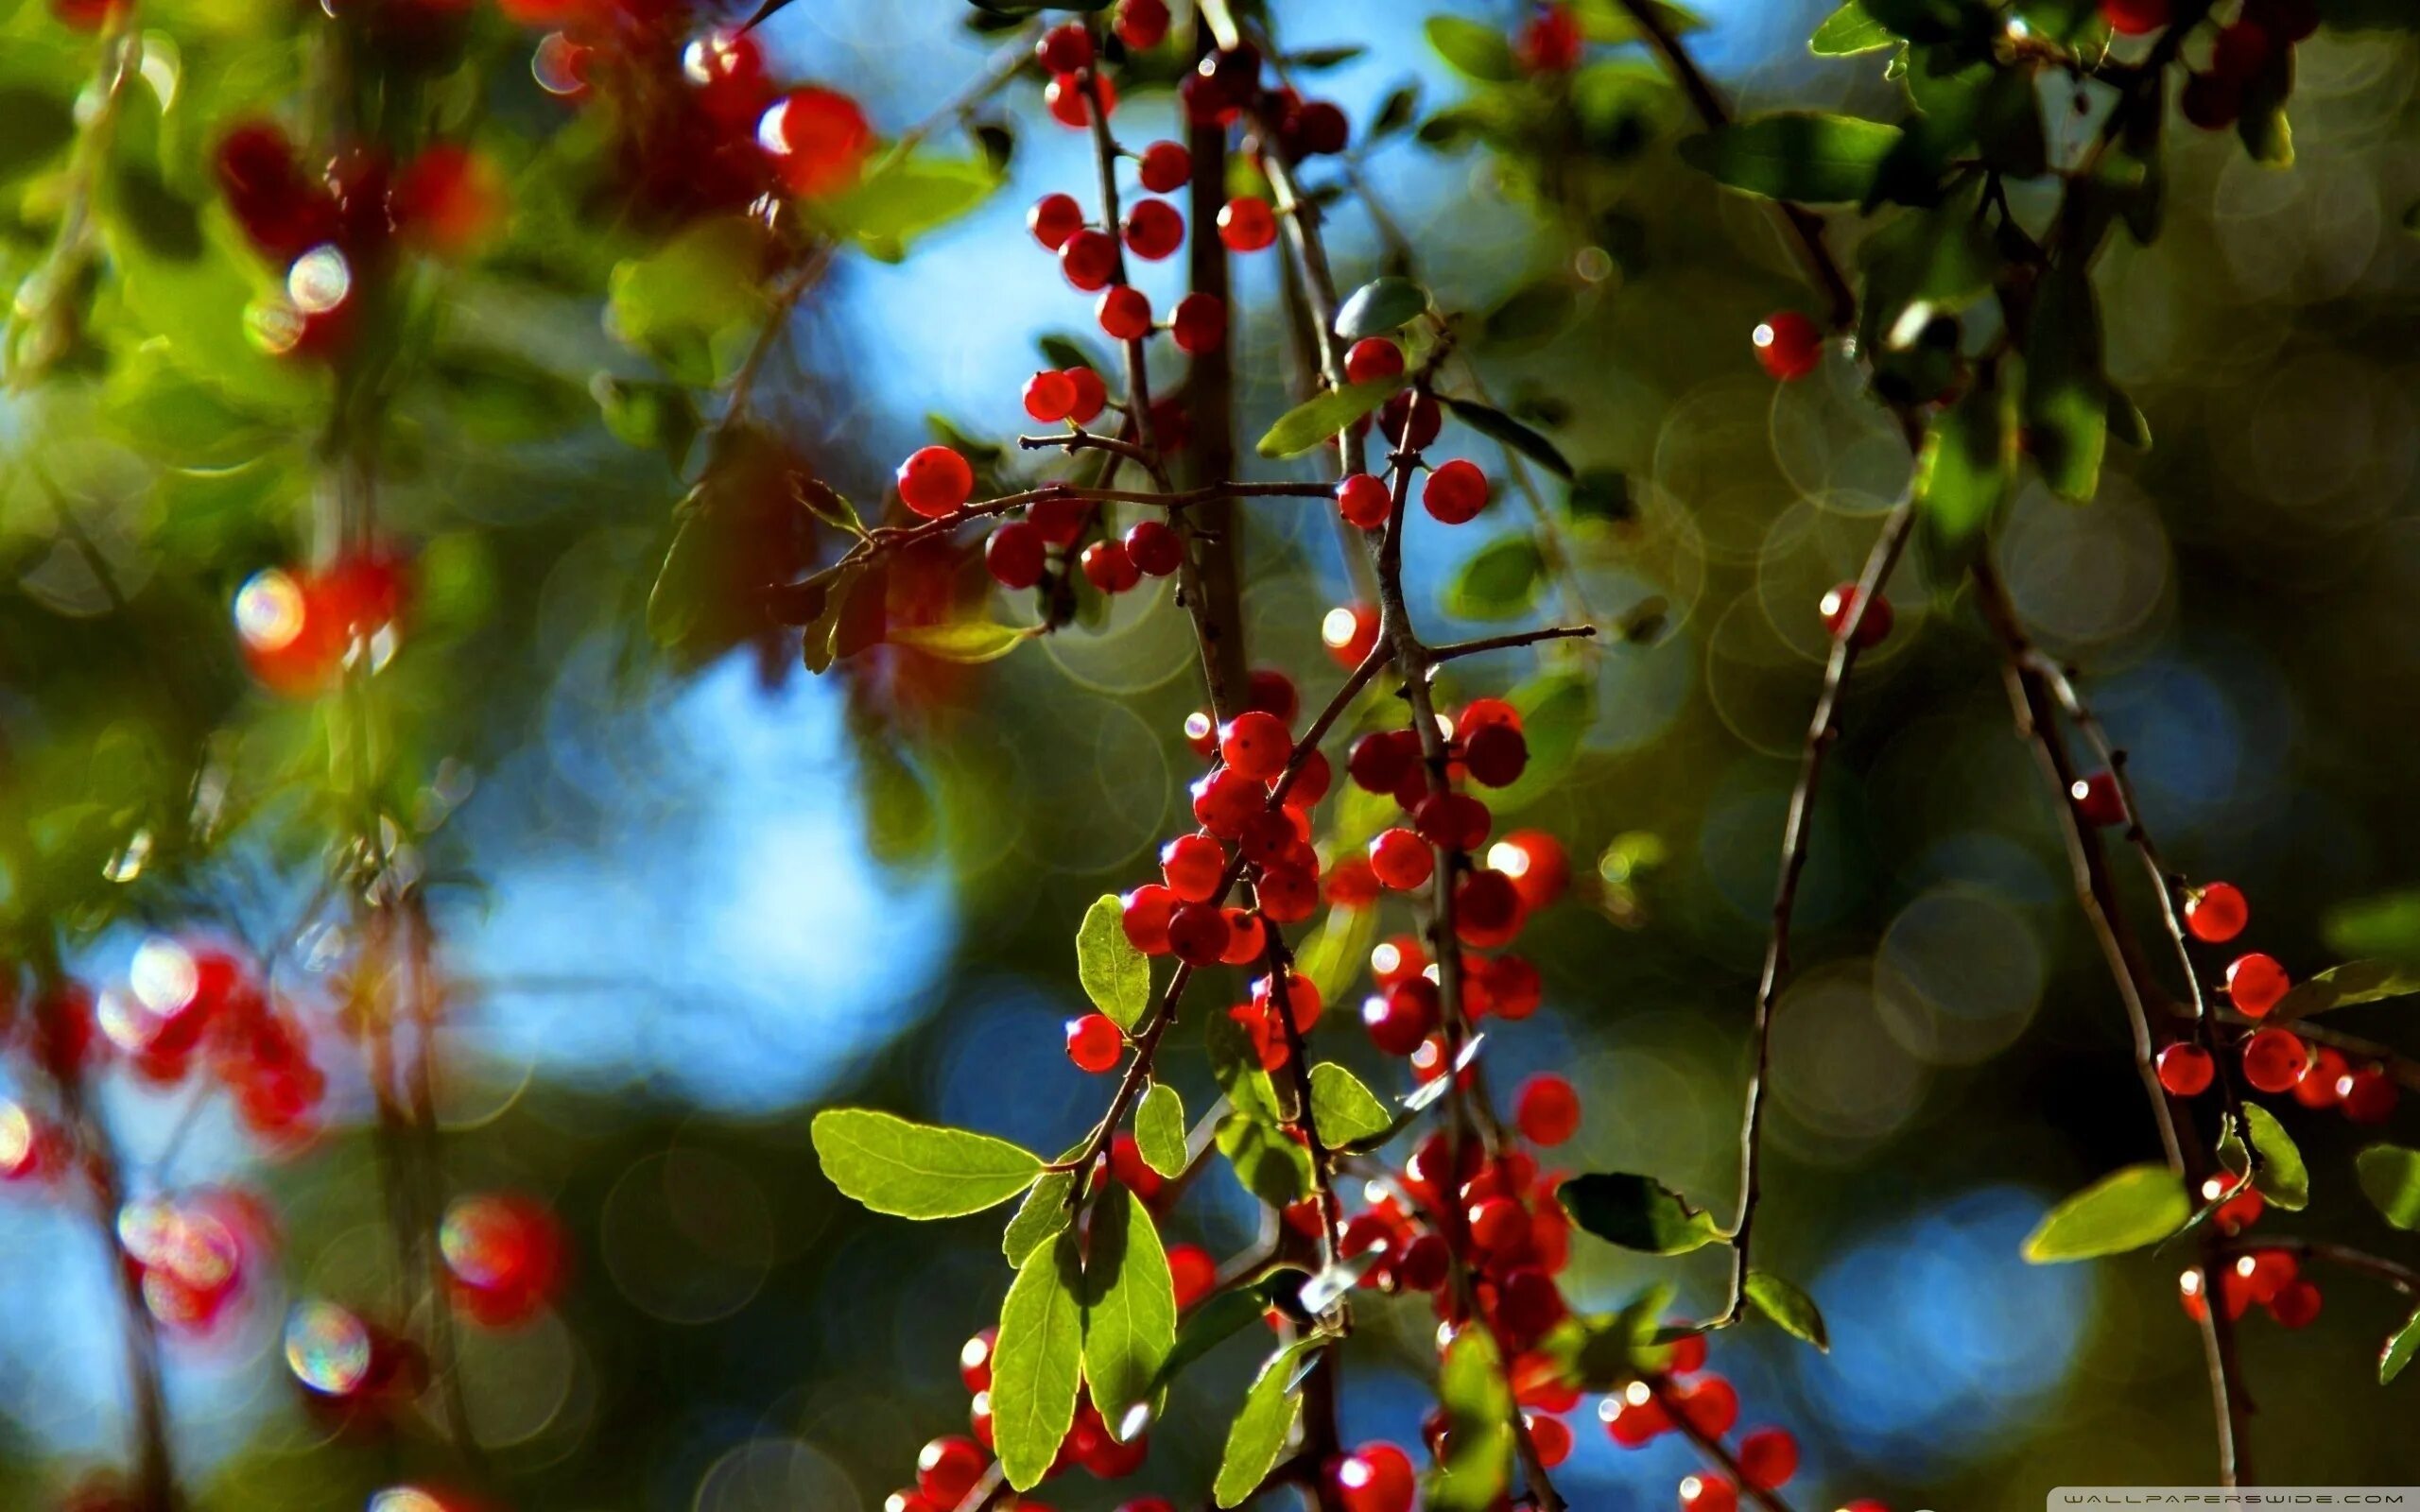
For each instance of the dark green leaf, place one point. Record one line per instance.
(1929, 20)
(499, 399)
(1536, 310)
(1473, 50)
(1115, 975)
(1342, 1109)
(1849, 30)
(2386, 925)
(1262, 1425)
(1497, 426)
(1159, 1130)
(1315, 420)
(2400, 1349)
(1602, 494)
(2127, 426)
(918, 1170)
(1498, 582)
(1129, 1306)
(1793, 1309)
(1037, 1361)
(2127, 1209)
(1065, 351)
(1315, 59)
(2391, 1180)
(1395, 113)
(1637, 1212)
(1798, 155)
(2066, 401)
(1478, 1402)
(35, 127)
(168, 223)
(1271, 1166)
(1963, 475)
(2346, 986)
(1380, 307)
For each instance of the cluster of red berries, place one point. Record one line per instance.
(2275, 1059)
(194, 1254)
(504, 1255)
(188, 1005)
(2258, 41)
(296, 627)
(2270, 1279)
(1645, 1410)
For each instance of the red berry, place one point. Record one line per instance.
(1549, 1110)
(1013, 554)
(1401, 859)
(1363, 501)
(1247, 224)
(1551, 41)
(975, 1359)
(1153, 230)
(817, 138)
(449, 199)
(2217, 913)
(1199, 324)
(1380, 760)
(1108, 567)
(1054, 218)
(1142, 23)
(2097, 800)
(2368, 1096)
(1125, 313)
(1196, 1274)
(2210, 102)
(1455, 494)
(1768, 1458)
(1197, 934)
(2316, 1086)
(1071, 106)
(1496, 755)
(2185, 1070)
(1154, 547)
(1709, 1403)
(1146, 911)
(1257, 744)
(1224, 802)
(1789, 344)
(1534, 862)
(2240, 50)
(1287, 895)
(1487, 909)
(1840, 605)
(1708, 1492)
(2256, 982)
(948, 1468)
(1193, 865)
(1374, 1478)
(1402, 1016)
(2132, 18)
(1247, 937)
(1350, 632)
(1059, 521)
(1049, 396)
(2296, 1305)
(935, 481)
(2273, 1060)
(1167, 168)
(1089, 259)
(1688, 1354)
(1372, 358)
(1453, 821)
(1094, 1043)
(1092, 397)
(1320, 128)
(1550, 1437)
(1064, 48)
(1410, 420)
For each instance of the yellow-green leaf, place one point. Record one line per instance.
(968, 641)
(2140, 1205)
(1159, 1130)
(1038, 1362)
(1792, 1308)
(2389, 1175)
(1115, 975)
(1129, 1306)
(1314, 421)
(1262, 1426)
(1342, 1109)
(913, 1170)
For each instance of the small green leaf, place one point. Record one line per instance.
(2066, 402)
(1380, 307)
(35, 127)
(2346, 986)
(2274, 1163)
(1212, 1322)
(1044, 1213)
(828, 505)
(903, 200)
(1236, 1066)
(2127, 426)
(1115, 975)
(1849, 30)
(1262, 1425)
(1334, 953)
(1962, 474)
(1129, 1306)
(971, 642)
(1503, 429)
(1315, 59)
(2140, 1205)
(1397, 112)
(1159, 1130)
(1637, 1212)
(1478, 1402)
(1344, 1110)
(2389, 1175)
(1315, 420)
(918, 1170)
(1038, 1362)
(2400, 1349)
(1271, 1166)
(1065, 351)
(1499, 581)
(1792, 1309)
(1473, 50)
(1799, 155)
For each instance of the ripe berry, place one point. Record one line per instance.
(975, 1359)
(2185, 1070)
(1768, 1458)
(2273, 1060)
(1496, 755)
(1142, 23)
(1049, 396)
(1372, 358)
(1247, 937)
(1374, 1478)
(1401, 859)
(817, 138)
(1550, 1437)
(2210, 102)
(1708, 1493)
(1093, 1042)
(1363, 501)
(2368, 1096)
(2296, 1306)
(1549, 1110)
(2316, 1088)
(1199, 324)
(1320, 128)
(1410, 420)
(948, 1468)
(1256, 745)
(1709, 1403)
(2217, 913)
(1092, 397)
(1167, 168)
(1195, 1273)
(2097, 800)
(1840, 604)
(449, 199)
(1268, 839)
(1153, 230)
(1551, 41)
(1247, 224)
(1454, 821)
(1013, 554)
(1059, 521)
(2240, 50)
(1455, 494)
(1787, 344)
(1145, 915)
(1193, 865)
(1125, 313)
(1287, 895)
(1350, 632)
(1226, 800)
(1108, 568)
(1054, 218)
(935, 481)
(1197, 934)
(1534, 862)
(1064, 48)
(1071, 106)
(1487, 910)
(2256, 982)
(1089, 259)
(1402, 1016)
(1154, 548)
(1380, 761)
(2134, 18)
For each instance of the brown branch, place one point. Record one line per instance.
(1454, 650)
(1214, 563)
(1084, 440)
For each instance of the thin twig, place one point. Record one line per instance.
(1454, 650)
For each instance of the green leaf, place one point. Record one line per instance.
(1964, 473)
(1344, 1110)
(1499, 581)
(1271, 1165)
(1928, 20)
(1334, 953)
(1381, 306)
(1477, 1401)
(1799, 155)
(1065, 351)
(2266, 133)
(165, 222)
(1130, 1307)
(1038, 1361)
(1314, 421)
(1637, 1212)
(2346, 986)
(35, 127)
(1236, 1066)
(1538, 309)
(2066, 402)
(1262, 1425)
(2386, 925)
(2400, 1349)
(2389, 1175)
(1792, 1309)
(918, 1170)
(1044, 1213)
(2276, 1165)
(1503, 429)
(1849, 30)
(2127, 426)
(1316, 59)
(1115, 975)
(2140, 1205)
(1609, 21)
(1211, 1323)
(1397, 112)
(1159, 1130)
(675, 302)
(905, 199)
(498, 397)
(1473, 50)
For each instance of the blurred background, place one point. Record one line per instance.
(683, 906)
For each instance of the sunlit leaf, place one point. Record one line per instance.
(1849, 30)
(1159, 1130)
(1262, 1425)
(1318, 420)
(2400, 1349)
(1380, 306)
(1799, 155)
(1478, 1402)
(1792, 1308)
(1473, 50)
(913, 1170)
(2127, 1209)
(2274, 1163)
(2389, 1175)
(2346, 986)
(1499, 581)
(1038, 1361)
(1130, 1305)
(1342, 1109)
